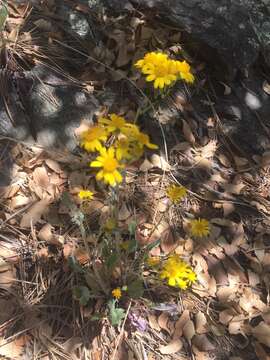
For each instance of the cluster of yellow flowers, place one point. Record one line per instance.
(177, 272)
(158, 67)
(127, 145)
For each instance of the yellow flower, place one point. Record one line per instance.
(164, 71)
(110, 165)
(152, 58)
(188, 77)
(153, 261)
(117, 293)
(161, 74)
(134, 135)
(143, 140)
(130, 130)
(86, 195)
(136, 150)
(123, 149)
(91, 138)
(176, 193)
(200, 227)
(114, 122)
(177, 272)
(158, 68)
(182, 68)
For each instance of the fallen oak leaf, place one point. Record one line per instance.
(188, 132)
(189, 330)
(45, 233)
(262, 333)
(250, 302)
(34, 214)
(163, 322)
(203, 343)
(200, 323)
(153, 322)
(173, 347)
(180, 323)
(41, 178)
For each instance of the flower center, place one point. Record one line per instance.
(161, 70)
(200, 227)
(110, 165)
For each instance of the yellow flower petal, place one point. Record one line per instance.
(96, 163)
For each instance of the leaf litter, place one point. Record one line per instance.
(225, 314)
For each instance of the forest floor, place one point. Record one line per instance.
(47, 235)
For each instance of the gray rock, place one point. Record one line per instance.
(79, 24)
(55, 108)
(238, 29)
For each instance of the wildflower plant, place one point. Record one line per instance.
(116, 267)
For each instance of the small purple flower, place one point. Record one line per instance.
(137, 321)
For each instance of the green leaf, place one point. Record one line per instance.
(115, 314)
(74, 265)
(3, 16)
(132, 228)
(82, 294)
(112, 261)
(92, 282)
(151, 246)
(132, 246)
(135, 289)
(96, 317)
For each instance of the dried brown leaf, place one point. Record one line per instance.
(180, 323)
(200, 323)
(251, 302)
(163, 322)
(203, 343)
(18, 201)
(224, 160)
(124, 213)
(53, 165)
(152, 319)
(236, 327)
(7, 276)
(262, 333)
(260, 352)
(45, 233)
(228, 208)
(266, 87)
(188, 132)
(172, 348)
(33, 215)
(41, 178)
(189, 330)
(159, 162)
(226, 316)
(233, 188)
(146, 166)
